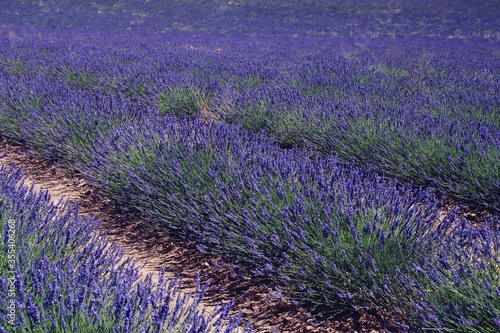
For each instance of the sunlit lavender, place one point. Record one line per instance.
(67, 279)
(317, 145)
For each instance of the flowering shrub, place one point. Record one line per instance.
(336, 236)
(65, 277)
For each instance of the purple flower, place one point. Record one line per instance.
(344, 295)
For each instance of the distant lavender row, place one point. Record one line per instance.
(421, 110)
(59, 275)
(361, 18)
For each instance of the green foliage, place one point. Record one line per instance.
(182, 101)
(393, 71)
(18, 67)
(81, 80)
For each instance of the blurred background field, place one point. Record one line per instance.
(357, 18)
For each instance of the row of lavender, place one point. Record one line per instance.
(328, 233)
(361, 18)
(59, 274)
(421, 110)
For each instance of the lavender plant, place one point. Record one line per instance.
(331, 235)
(456, 289)
(182, 101)
(63, 276)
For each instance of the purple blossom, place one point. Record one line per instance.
(344, 295)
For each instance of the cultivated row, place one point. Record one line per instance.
(421, 110)
(328, 232)
(59, 274)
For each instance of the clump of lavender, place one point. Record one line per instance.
(333, 235)
(457, 288)
(183, 100)
(65, 277)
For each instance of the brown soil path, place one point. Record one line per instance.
(154, 249)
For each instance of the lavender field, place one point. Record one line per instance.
(330, 148)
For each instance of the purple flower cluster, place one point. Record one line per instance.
(65, 276)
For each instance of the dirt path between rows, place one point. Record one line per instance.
(154, 249)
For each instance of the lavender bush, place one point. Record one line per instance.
(422, 110)
(65, 277)
(331, 235)
(457, 288)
